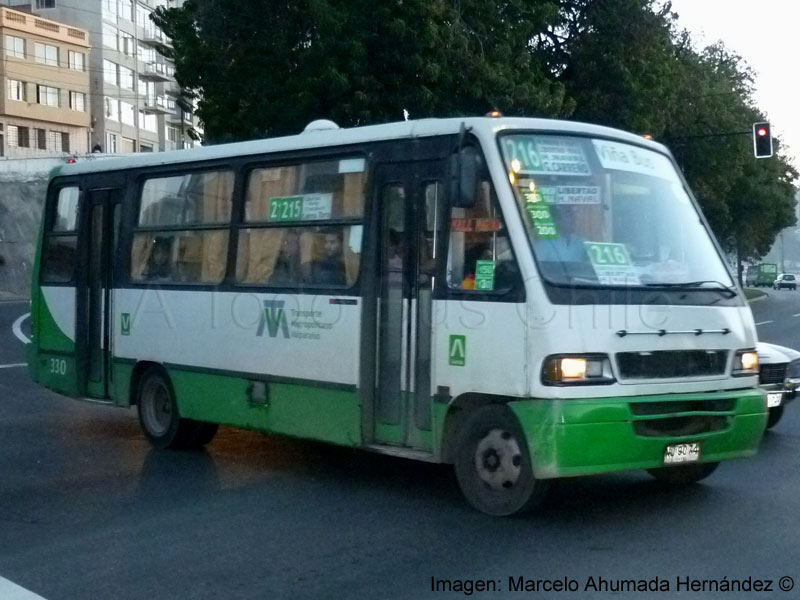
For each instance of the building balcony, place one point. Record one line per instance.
(155, 39)
(157, 105)
(176, 118)
(156, 72)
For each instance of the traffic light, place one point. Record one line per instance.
(762, 140)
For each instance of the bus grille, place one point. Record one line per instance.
(680, 426)
(666, 364)
(683, 406)
(772, 373)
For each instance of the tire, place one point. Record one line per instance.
(159, 417)
(204, 433)
(775, 414)
(684, 474)
(493, 465)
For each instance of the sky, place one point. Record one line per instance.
(765, 34)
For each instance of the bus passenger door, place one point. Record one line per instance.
(409, 201)
(95, 298)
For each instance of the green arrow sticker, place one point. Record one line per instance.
(457, 350)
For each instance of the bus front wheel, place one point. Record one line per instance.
(684, 474)
(159, 417)
(775, 415)
(493, 465)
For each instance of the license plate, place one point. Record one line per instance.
(681, 453)
(774, 399)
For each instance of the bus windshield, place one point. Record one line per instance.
(605, 213)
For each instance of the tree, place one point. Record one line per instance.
(626, 64)
(260, 68)
(618, 63)
(268, 68)
(747, 201)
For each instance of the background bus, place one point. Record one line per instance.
(525, 299)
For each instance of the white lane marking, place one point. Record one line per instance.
(763, 323)
(12, 366)
(17, 329)
(11, 591)
(797, 315)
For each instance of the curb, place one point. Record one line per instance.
(758, 299)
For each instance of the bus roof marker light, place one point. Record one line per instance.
(320, 125)
(494, 114)
(516, 165)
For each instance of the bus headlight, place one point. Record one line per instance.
(745, 363)
(577, 369)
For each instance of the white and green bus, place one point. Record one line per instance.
(525, 299)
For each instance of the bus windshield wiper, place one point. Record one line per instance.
(718, 286)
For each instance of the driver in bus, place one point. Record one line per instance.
(568, 245)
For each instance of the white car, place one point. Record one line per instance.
(785, 280)
(779, 376)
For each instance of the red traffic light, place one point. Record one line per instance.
(762, 140)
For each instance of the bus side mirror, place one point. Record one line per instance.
(465, 168)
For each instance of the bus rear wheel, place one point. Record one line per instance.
(493, 465)
(159, 417)
(684, 474)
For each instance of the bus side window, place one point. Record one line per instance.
(287, 239)
(479, 253)
(61, 243)
(187, 219)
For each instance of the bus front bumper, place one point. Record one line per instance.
(600, 435)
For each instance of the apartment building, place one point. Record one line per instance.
(44, 105)
(133, 92)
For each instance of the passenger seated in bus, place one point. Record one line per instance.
(506, 272)
(329, 270)
(395, 262)
(287, 266)
(159, 263)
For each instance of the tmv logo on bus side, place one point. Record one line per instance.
(273, 317)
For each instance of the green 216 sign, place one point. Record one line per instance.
(612, 255)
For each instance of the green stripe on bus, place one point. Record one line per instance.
(328, 415)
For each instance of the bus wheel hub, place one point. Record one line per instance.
(498, 460)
